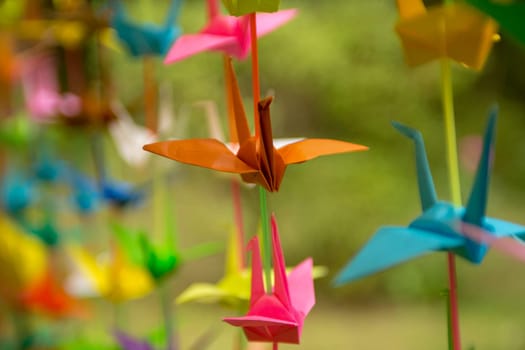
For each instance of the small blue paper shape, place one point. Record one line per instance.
(85, 195)
(121, 194)
(17, 192)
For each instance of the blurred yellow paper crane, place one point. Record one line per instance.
(29, 280)
(456, 31)
(233, 290)
(23, 259)
(117, 280)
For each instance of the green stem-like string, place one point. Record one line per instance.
(164, 223)
(240, 341)
(446, 295)
(22, 333)
(455, 189)
(169, 319)
(266, 240)
(118, 316)
(450, 131)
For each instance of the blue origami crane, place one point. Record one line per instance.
(17, 192)
(46, 230)
(146, 39)
(439, 227)
(47, 168)
(85, 194)
(121, 194)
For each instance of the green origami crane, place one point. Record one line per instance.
(17, 132)
(161, 260)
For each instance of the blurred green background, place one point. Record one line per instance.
(337, 71)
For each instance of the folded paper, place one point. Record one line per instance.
(23, 259)
(118, 279)
(233, 290)
(47, 295)
(255, 158)
(160, 260)
(129, 137)
(17, 192)
(439, 227)
(456, 31)
(16, 132)
(41, 89)
(146, 39)
(227, 34)
(277, 317)
(85, 194)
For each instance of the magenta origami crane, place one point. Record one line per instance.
(277, 317)
(227, 34)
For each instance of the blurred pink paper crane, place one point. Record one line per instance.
(43, 99)
(227, 34)
(277, 317)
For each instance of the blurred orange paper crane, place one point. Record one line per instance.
(457, 31)
(254, 157)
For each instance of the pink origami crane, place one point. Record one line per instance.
(277, 317)
(228, 34)
(43, 100)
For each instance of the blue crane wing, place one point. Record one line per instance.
(502, 228)
(391, 246)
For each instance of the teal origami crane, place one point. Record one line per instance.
(146, 39)
(439, 227)
(17, 191)
(509, 15)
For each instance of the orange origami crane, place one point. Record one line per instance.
(457, 31)
(277, 317)
(254, 157)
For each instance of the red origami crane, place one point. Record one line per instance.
(228, 34)
(48, 296)
(277, 317)
(254, 157)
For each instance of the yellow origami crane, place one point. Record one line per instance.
(233, 290)
(23, 260)
(456, 31)
(118, 280)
